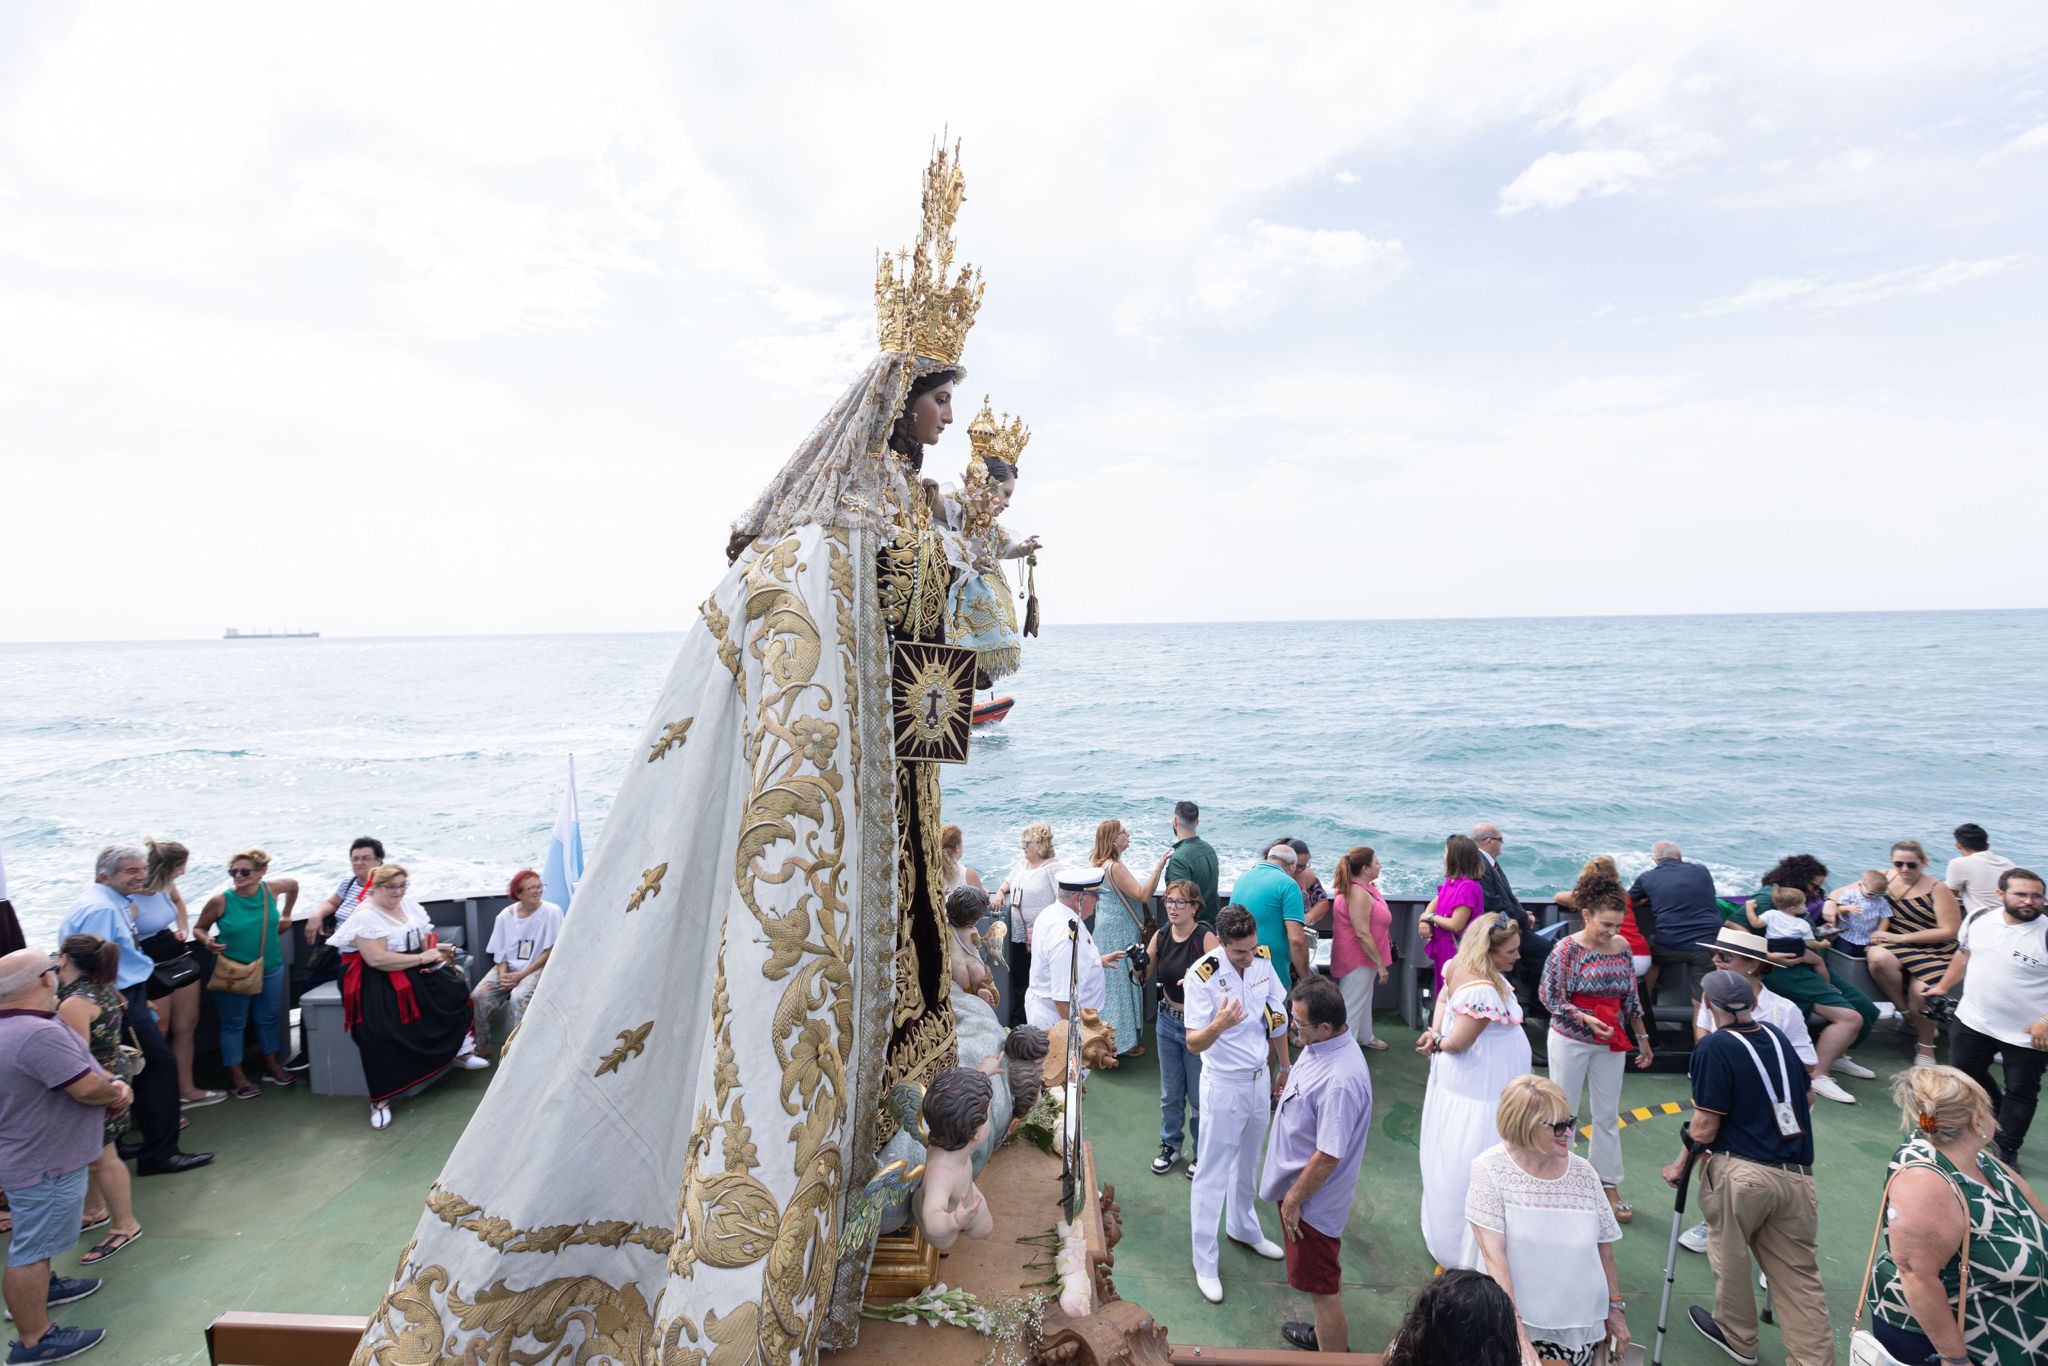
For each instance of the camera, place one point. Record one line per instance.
(1137, 960)
(1940, 1009)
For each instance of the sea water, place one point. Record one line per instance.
(1744, 738)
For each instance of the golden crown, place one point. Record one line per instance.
(916, 308)
(1005, 440)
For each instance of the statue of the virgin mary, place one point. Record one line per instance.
(660, 1169)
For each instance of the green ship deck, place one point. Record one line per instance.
(306, 1207)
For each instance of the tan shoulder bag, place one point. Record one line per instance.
(246, 979)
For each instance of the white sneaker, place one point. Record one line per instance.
(380, 1116)
(472, 1062)
(1694, 1239)
(1211, 1288)
(1832, 1089)
(1849, 1067)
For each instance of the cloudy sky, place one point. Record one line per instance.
(426, 319)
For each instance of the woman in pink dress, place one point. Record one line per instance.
(1458, 898)
(1361, 948)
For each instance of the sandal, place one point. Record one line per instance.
(107, 1247)
(87, 1222)
(1624, 1212)
(1376, 1045)
(247, 1090)
(280, 1078)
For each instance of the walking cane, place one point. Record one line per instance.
(1692, 1152)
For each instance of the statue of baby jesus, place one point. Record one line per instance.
(956, 1117)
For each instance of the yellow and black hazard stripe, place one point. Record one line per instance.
(1642, 1113)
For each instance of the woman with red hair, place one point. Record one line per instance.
(520, 944)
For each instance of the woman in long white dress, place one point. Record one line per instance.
(1476, 1047)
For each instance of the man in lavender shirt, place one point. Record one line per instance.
(53, 1102)
(1313, 1153)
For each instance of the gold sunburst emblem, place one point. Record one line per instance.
(934, 712)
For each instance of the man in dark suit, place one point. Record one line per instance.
(1501, 900)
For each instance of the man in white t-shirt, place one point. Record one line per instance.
(2002, 962)
(1061, 984)
(521, 940)
(1974, 872)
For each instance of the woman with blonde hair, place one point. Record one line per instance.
(1475, 1047)
(1537, 1220)
(952, 849)
(163, 931)
(1121, 919)
(1957, 1271)
(402, 999)
(1031, 886)
(251, 924)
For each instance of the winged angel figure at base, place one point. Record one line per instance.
(763, 915)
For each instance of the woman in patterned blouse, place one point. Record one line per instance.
(1589, 988)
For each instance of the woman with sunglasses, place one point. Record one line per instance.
(1174, 949)
(250, 922)
(1918, 942)
(1537, 1220)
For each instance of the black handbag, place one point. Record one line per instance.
(175, 965)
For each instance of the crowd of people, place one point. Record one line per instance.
(100, 1039)
(1263, 1035)
(1769, 1015)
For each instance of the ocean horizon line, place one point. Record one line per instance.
(1102, 625)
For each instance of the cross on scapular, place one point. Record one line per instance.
(931, 707)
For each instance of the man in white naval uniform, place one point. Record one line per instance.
(1052, 968)
(1236, 1019)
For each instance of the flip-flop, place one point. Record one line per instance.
(107, 1247)
(86, 1225)
(1376, 1045)
(248, 1090)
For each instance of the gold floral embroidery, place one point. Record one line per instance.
(650, 885)
(671, 738)
(632, 1043)
(728, 653)
(501, 1236)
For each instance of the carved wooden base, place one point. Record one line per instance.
(904, 1264)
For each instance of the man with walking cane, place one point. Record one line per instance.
(1754, 1138)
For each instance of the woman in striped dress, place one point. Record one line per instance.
(1918, 941)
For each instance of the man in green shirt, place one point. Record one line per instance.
(1192, 859)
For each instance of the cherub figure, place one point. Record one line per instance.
(956, 1115)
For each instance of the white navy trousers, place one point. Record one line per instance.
(1233, 1136)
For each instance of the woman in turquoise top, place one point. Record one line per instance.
(250, 921)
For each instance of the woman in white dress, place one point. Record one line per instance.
(1476, 1047)
(1032, 885)
(1539, 1221)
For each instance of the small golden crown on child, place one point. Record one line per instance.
(917, 309)
(1004, 440)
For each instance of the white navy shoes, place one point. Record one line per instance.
(1211, 1288)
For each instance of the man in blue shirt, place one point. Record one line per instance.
(1755, 1133)
(107, 910)
(1270, 893)
(1677, 910)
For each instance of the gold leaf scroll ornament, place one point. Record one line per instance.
(671, 738)
(632, 1043)
(650, 885)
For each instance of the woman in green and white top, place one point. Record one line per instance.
(1917, 1272)
(246, 920)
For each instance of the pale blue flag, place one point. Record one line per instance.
(562, 869)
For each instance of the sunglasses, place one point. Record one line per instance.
(241, 872)
(1905, 863)
(1564, 1126)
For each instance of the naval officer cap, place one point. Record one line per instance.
(1080, 879)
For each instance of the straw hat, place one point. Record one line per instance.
(1740, 944)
